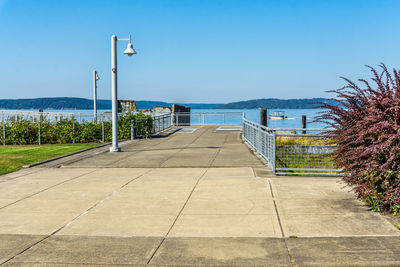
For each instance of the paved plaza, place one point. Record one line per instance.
(188, 197)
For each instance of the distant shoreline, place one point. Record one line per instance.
(74, 103)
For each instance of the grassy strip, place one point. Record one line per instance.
(12, 158)
(288, 156)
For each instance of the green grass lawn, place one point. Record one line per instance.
(290, 154)
(12, 158)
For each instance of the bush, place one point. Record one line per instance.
(366, 129)
(22, 131)
(143, 125)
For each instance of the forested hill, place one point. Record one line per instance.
(82, 103)
(274, 103)
(53, 103)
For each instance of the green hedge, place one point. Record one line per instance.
(25, 132)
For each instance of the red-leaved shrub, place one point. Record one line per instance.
(366, 128)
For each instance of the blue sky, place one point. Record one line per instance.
(194, 51)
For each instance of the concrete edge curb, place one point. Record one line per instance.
(63, 156)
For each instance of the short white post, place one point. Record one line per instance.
(132, 131)
(102, 131)
(40, 137)
(95, 95)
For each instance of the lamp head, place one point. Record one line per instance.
(97, 77)
(129, 50)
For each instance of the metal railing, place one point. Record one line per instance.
(262, 139)
(41, 123)
(161, 122)
(207, 118)
(15, 115)
(294, 151)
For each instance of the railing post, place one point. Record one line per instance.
(266, 144)
(4, 132)
(102, 130)
(163, 121)
(274, 152)
(304, 123)
(40, 137)
(132, 133)
(73, 130)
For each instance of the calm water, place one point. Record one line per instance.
(293, 120)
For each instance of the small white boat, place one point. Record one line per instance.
(278, 115)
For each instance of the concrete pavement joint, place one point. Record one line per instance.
(219, 150)
(180, 212)
(77, 217)
(69, 161)
(189, 213)
(47, 189)
(161, 163)
(63, 156)
(81, 154)
(144, 150)
(25, 249)
(255, 153)
(166, 149)
(280, 225)
(104, 199)
(34, 263)
(2, 181)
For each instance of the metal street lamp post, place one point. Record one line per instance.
(128, 51)
(95, 79)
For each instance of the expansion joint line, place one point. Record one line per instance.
(176, 218)
(182, 148)
(291, 259)
(41, 191)
(143, 150)
(105, 151)
(219, 150)
(77, 217)
(22, 175)
(129, 155)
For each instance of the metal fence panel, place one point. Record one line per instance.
(262, 139)
(207, 118)
(161, 122)
(294, 151)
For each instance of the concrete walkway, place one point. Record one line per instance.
(189, 198)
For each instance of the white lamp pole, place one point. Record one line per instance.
(95, 78)
(128, 51)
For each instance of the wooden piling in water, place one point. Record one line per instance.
(263, 117)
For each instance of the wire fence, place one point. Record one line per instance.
(28, 127)
(207, 118)
(294, 151)
(16, 115)
(262, 139)
(161, 122)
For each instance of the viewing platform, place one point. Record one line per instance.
(187, 196)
